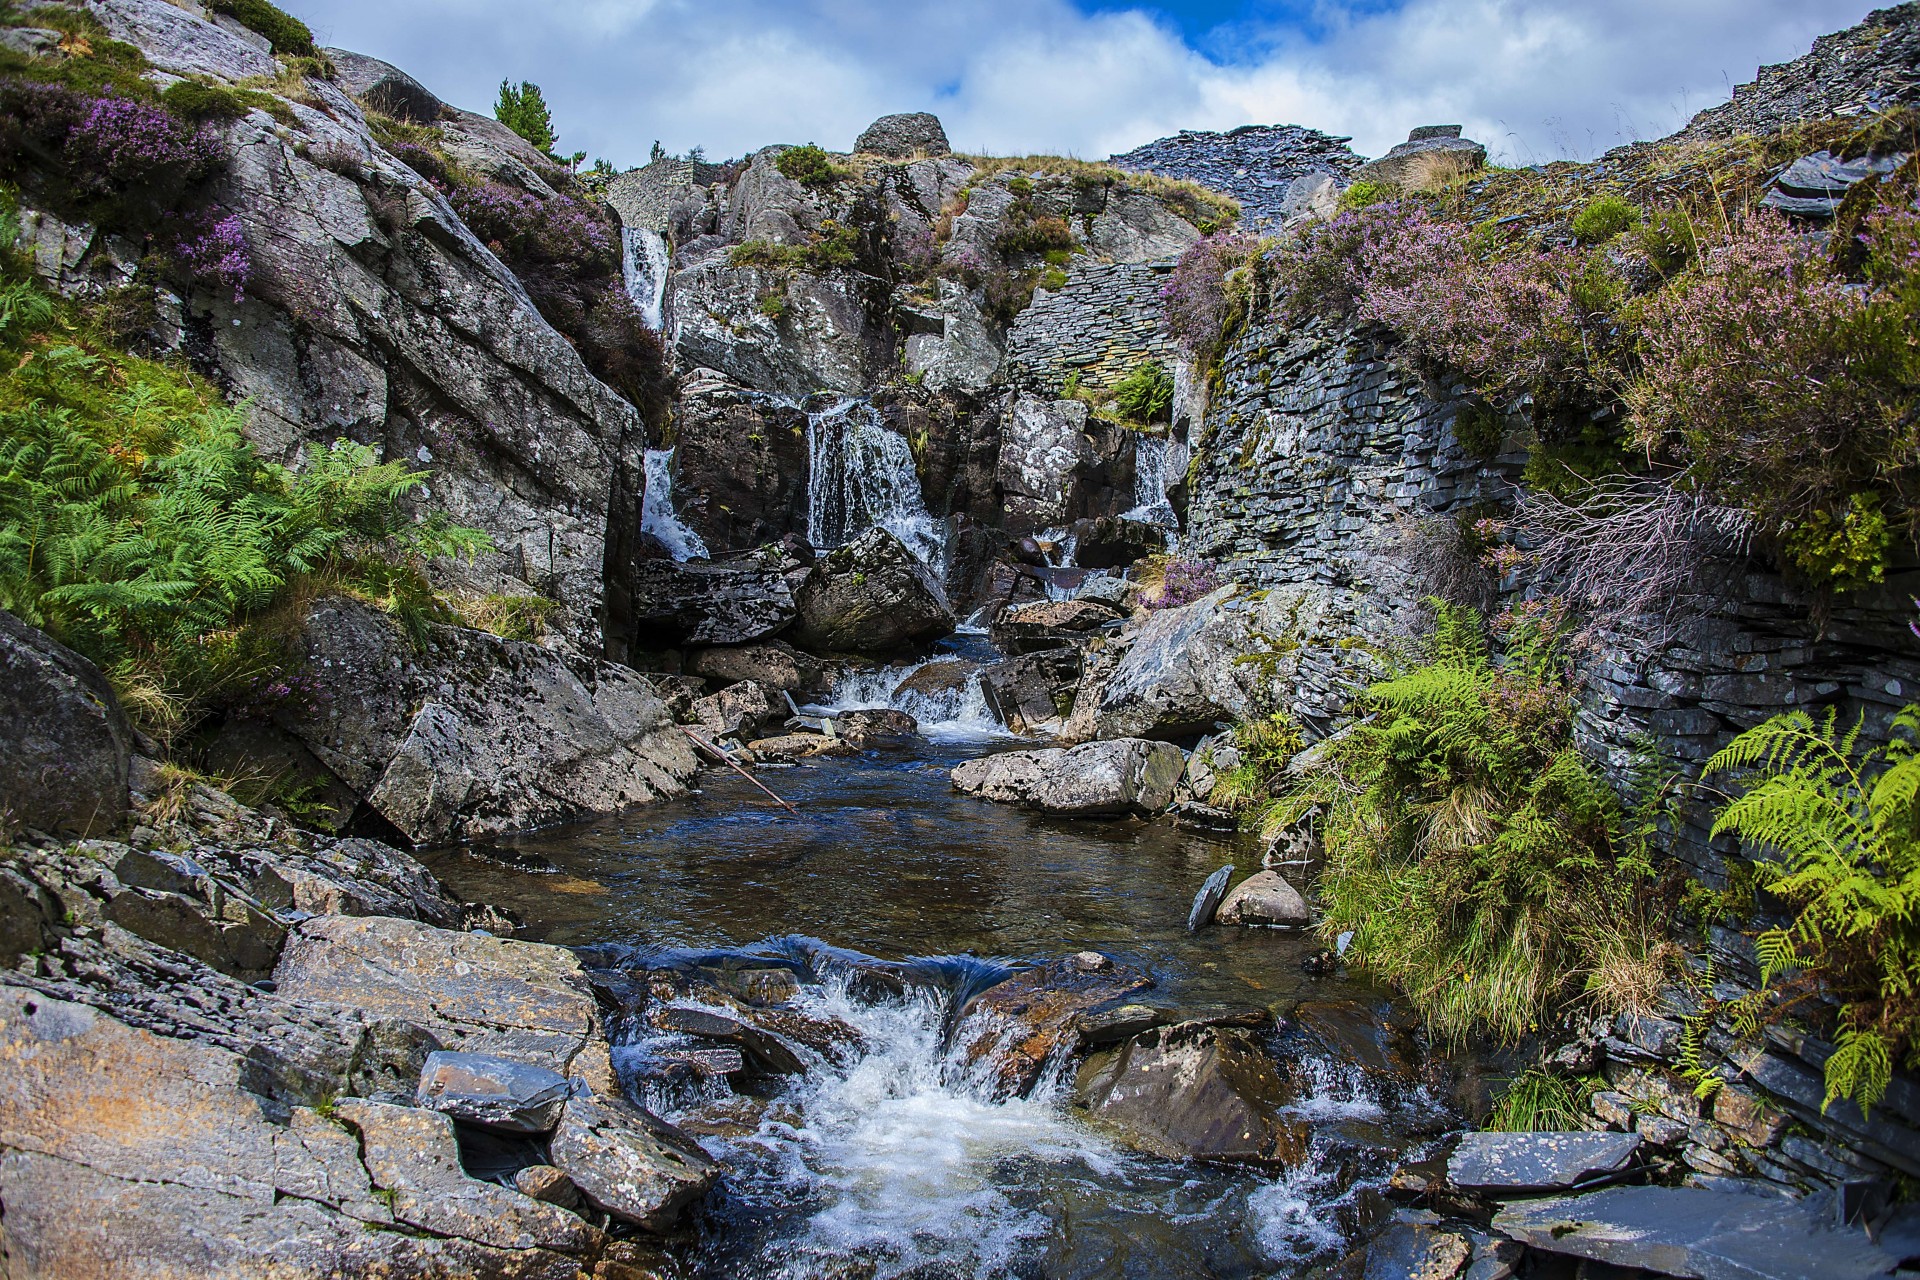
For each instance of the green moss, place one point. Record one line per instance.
(1053, 279)
(286, 33)
(1363, 193)
(195, 101)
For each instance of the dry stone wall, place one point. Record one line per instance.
(1106, 320)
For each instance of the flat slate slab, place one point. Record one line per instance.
(1525, 1162)
(1704, 1235)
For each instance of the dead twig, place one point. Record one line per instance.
(733, 764)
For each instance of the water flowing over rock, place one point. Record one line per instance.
(65, 742)
(657, 515)
(861, 476)
(1097, 779)
(646, 265)
(1017, 1029)
(870, 596)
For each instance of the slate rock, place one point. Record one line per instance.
(1265, 897)
(765, 1050)
(1529, 1162)
(1207, 901)
(1685, 1231)
(1196, 1091)
(1095, 779)
(545, 1183)
(1050, 624)
(740, 710)
(709, 604)
(773, 663)
(1033, 690)
(870, 596)
(65, 742)
(1416, 1251)
(629, 1162)
(499, 1093)
(384, 87)
(1009, 1032)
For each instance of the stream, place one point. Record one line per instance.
(899, 1160)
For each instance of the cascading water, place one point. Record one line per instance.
(954, 711)
(646, 265)
(657, 515)
(1157, 462)
(861, 476)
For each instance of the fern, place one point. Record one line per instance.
(1842, 822)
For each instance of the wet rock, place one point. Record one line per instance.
(1122, 1022)
(1114, 542)
(1182, 673)
(478, 735)
(1096, 779)
(709, 1064)
(904, 137)
(791, 747)
(763, 987)
(548, 1185)
(519, 1000)
(1050, 624)
(774, 664)
(1416, 1251)
(384, 87)
(765, 1050)
(1191, 815)
(66, 743)
(1682, 1231)
(709, 604)
(1196, 1091)
(1034, 690)
(498, 1093)
(1011, 1031)
(875, 727)
(1266, 898)
(740, 710)
(413, 1158)
(1207, 901)
(739, 464)
(1377, 1038)
(870, 596)
(939, 682)
(630, 1163)
(1518, 1163)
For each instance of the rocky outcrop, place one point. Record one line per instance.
(739, 464)
(1258, 165)
(474, 735)
(904, 137)
(709, 604)
(1050, 624)
(385, 87)
(1436, 150)
(1098, 779)
(870, 596)
(63, 738)
(1182, 673)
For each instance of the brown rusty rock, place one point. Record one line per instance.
(1017, 1027)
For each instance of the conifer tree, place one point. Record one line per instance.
(524, 110)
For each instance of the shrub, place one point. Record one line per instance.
(1788, 390)
(1146, 394)
(809, 166)
(218, 256)
(1209, 288)
(121, 142)
(523, 109)
(1265, 746)
(1604, 218)
(1007, 293)
(1174, 583)
(196, 102)
(1038, 235)
(1477, 860)
(1844, 820)
(288, 35)
(1364, 193)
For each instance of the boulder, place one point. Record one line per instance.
(740, 710)
(1513, 1164)
(384, 87)
(476, 735)
(65, 742)
(709, 604)
(499, 1093)
(1031, 691)
(871, 596)
(523, 1001)
(1010, 1032)
(875, 726)
(1196, 1091)
(774, 663)
(1114, 542)
(1181, 675)
(1265, 897)
(1050, 624)
(1096, 779)
(1378, 1038)
(790, 747)
(937, 682)
(630, 1163)
(740, 464)
(1425, 149)
(910, 136)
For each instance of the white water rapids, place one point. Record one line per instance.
(861, 476)
(646, 264)
(958, 714)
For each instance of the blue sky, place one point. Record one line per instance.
(1534, 79)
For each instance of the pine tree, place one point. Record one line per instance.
(524, 110)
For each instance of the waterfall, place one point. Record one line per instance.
(955, 714)
(657, 515)
(1157, 462)
(861, 476)
(646, 264)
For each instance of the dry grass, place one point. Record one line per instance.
(1436, 171)
(1205, 208)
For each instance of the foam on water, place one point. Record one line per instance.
(646, 265)
(956, 715)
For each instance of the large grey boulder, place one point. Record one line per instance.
(773, 663)
(1426, 148)
(1181, 674)
(870, 596)
(1195, 1091)
(1045, 454)
(1033, 691)
(384, 87)
(739, 463)
(630, 1163)
(499, 1093)
(709, 604)
(1096, 779)
(65, 745)
(907, 136)
(476, 735)
(1265, 897)
(744, 709)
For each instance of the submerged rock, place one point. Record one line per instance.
(1417, 1251)
(1199, 1091)
(65, 743)
(871, 596)
(1096, 779)
(1012, 1031)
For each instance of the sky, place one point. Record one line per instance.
(1536, 80)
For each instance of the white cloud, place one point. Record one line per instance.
(1535, 79)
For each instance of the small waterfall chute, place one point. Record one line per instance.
(862, 476)
(1157, 462)
(957, 713)
(646, 264)
(657, 515)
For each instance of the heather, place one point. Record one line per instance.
(1208, 292)
(1170, 582)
